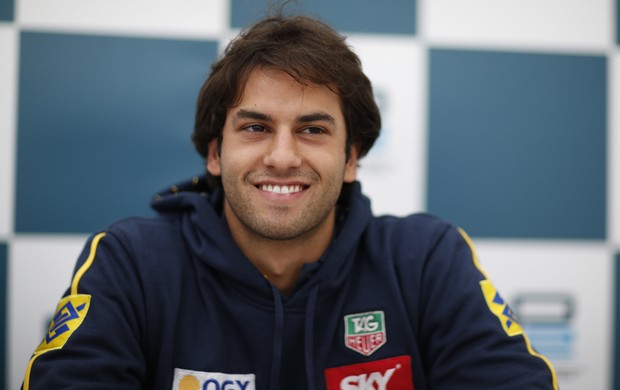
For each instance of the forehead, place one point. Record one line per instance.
(273, 89)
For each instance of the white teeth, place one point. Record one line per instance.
(276, 189)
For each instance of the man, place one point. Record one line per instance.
(271, 273)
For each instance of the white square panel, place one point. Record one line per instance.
(8, 96)
(171, 17)
(393, 173)
(537, 23)
(40, 269)
(570, 281)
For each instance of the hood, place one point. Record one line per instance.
(205, 229)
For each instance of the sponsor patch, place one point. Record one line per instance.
(200, 380)
(500, 308)
(386, 374)
(365, 332)
(70, 313)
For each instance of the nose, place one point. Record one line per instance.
(283, 152)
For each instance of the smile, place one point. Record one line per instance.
(278, 189)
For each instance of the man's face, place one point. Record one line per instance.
(282, 158)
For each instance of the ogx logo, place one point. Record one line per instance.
(200, 380)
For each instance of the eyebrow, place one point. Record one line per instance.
(317, 117)
(312, 117)
(249, 114)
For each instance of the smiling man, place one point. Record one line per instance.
(270, 272)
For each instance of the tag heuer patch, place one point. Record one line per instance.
(365, 332)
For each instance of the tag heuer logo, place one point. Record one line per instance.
(365, 332)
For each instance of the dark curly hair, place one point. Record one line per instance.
(311, 52)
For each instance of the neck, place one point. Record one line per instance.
(280, 261)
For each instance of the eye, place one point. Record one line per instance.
(255, 128)
(313, 130)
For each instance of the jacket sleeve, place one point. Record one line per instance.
(470, 337)
(93, 341)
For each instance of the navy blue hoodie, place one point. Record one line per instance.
(172, 302)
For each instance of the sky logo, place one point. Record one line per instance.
(385, 374)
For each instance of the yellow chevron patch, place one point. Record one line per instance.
(70, 314)
(500, 308)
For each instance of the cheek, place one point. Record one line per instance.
(333, 165)
(233, 165)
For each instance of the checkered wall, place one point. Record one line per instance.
(499, 116)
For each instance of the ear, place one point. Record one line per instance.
(350, 168)
(213, 159)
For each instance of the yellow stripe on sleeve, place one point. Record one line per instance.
(485, 285)
(26, 385)
(87, 263)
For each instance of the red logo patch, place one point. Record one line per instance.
(386, 374)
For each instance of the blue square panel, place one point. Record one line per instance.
(103, 123)
(366, 16)
(517, 143)
(7, 10)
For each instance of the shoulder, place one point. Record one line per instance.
(145, 229)
(419, 242)
(144, 239)
(136, 225)
(421, 229)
